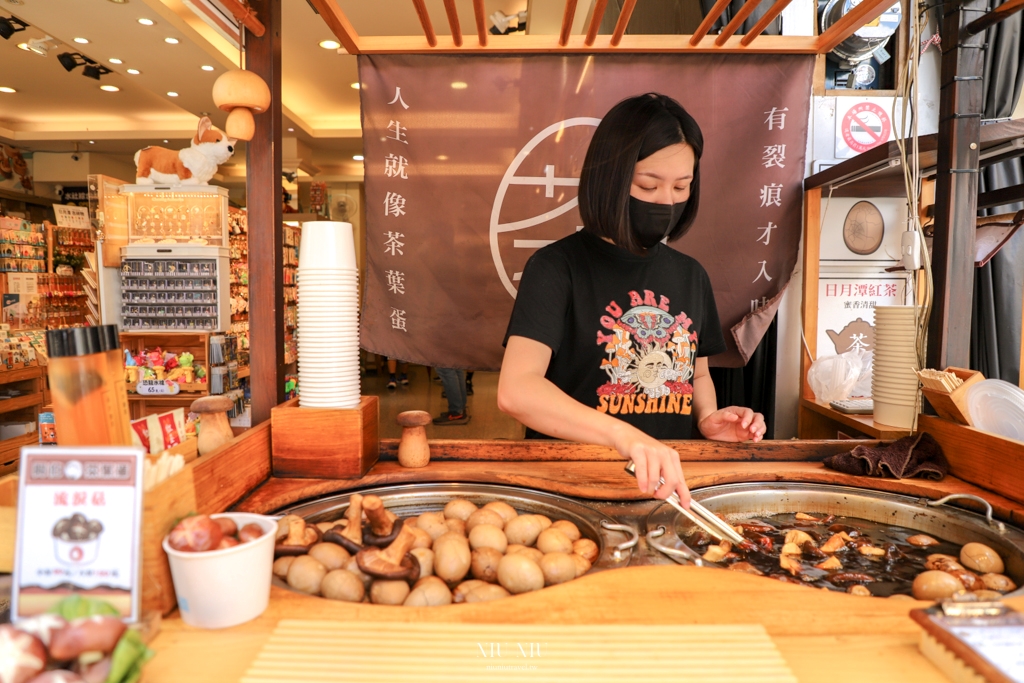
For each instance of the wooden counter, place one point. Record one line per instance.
(823, 636)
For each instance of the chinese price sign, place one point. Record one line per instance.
(79, 527)
(846, 310)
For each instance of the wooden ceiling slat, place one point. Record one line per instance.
(595, 21)
(567, 16)
(620, 26)
(709, 21)
(866, 11)
(992, 18)
(734, 25)
(339, 24)
(247, 16)
(428, 28)
(481, 22)
(453, 21)
(762, 23)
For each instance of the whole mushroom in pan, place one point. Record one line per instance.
(391, 563)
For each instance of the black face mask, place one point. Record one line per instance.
(652, 222)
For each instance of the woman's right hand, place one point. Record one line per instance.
(653, 461)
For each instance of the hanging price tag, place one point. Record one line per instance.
(157, 387)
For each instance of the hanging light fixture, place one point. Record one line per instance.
(11, 25)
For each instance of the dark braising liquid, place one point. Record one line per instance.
(892, 573)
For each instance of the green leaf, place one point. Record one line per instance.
(77, 607)
(129, 655)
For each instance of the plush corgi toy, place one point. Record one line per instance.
(192, 166)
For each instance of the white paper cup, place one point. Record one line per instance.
(223, 588)
(899, 397)
(327, 244)
(894, 415)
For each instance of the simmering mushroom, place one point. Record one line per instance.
(393, 562)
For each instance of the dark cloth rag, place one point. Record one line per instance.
(912, 456)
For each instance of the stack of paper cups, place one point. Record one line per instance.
(894, 383)
(328, 303)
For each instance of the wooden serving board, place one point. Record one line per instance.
(302, 650)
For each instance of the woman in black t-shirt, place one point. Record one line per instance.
(611, 329)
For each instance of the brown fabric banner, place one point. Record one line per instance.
(472, 164)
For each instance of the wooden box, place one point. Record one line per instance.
(953, 405)
(324, 443)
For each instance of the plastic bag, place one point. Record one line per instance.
(832, 378)
(862, 388)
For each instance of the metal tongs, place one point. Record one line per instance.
(704, 518)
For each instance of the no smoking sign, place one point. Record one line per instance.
(866, 125)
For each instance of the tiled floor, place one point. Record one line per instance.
(487, 422)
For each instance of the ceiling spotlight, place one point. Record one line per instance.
(356, 86)
(109, 88)
(442, 157)
(40, 46)
(115, 61)
(134, 72)
(11, 25)
(146, 22)
(94, 71)
(4, 88)
(172, 94)
(358, 157)
(119, 2)
(72, 60)
(206, 67)
(291, 130)
(171, 41)
(81, 41)
(166, 141)
(329, 44)
(459, 85)
(92, 142)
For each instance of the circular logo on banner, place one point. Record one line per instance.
(548, 195)
(865, 126)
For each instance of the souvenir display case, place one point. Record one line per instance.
(239, 251)
(182, 288)
(195, 214)
(22, 246)
(292, 235)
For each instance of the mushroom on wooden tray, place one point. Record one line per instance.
(214, 427)
(413, 449)
(393, 562)
(295, 536)
(384, 526)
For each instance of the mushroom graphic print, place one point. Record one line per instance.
(650, 357)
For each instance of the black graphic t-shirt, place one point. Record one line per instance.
(624, 330)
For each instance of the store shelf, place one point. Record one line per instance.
(20, 375)
(9, 405)
(861, 424)
(10, 451)
(243, 372)
(176, 398)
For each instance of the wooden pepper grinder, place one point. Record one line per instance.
(413, 450)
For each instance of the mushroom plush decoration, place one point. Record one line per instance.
(241, 93)
(413, 450)
(214, 428)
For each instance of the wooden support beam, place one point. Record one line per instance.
(595, 21)
(956, 188)
(734, 25)
(453, 22)
(481, 22)
(428, 28)
(338, 23)
(989, 19)
(620, 26)
(709, 21)
(567, 16)
(246, 15)
(263, 201)
(1006, 195)
(548, 44)
(766, 19)
(865, 12)
(811, 253)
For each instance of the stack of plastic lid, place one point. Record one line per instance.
(328, 332)
(894, 383)
(997, 407)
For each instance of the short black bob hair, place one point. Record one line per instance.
(633, 130)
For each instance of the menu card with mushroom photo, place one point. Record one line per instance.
(79, 528)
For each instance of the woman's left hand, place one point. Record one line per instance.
(733, 424)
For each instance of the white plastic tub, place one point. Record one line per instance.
(222, 588)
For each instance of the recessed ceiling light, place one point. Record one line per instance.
(172, 94)
(291, 130)
(4, 88)
(109, 88)
(358, 157)
(166, 141)
(134, 72)
(146, 22)
(329, 44)
(171, 41)
(92, 142)
(114, 60)
(81, 41)
(119, 2)
(459, 85)
(356, 86)
(206, 67)
(23, 46)
(442, 157)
